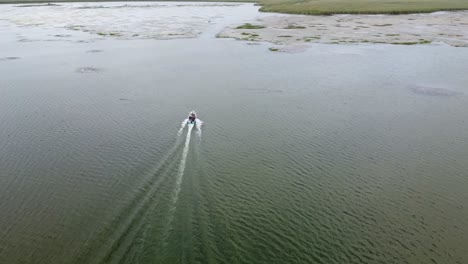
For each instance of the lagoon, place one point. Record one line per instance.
(337, 154)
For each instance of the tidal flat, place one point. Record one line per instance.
(340, 153)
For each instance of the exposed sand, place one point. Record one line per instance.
(120, 20)
(293, 32)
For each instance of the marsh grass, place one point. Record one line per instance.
(330, 7)
(422, 41)
(309, 39)
(250, 26)
(325, 7)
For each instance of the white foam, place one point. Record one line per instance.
(180, 173)
(182, 126)
(198, 125)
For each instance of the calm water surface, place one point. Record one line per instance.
(327, 156)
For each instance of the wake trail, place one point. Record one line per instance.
(180, 176)
(198, 124)
(130, 219)
(182, 126)
(180, 172)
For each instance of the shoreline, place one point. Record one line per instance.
(313, 7)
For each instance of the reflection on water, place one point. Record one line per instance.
(339, 154)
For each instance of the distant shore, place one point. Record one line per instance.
(320, 7)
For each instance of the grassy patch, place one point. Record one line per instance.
(284, 36)
(273, 49)
(423, 41)
(330, 7)
(249, 36)
(309, 39)
(250, 26)
(404, 43)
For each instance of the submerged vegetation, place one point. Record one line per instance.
(294, 27)
(250, 26)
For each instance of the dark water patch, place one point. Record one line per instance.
(9, 58)
(263, 90)
(94, 51)
(25, 40)
(84, 41)
(120, 6)
(93, 7)
(432, 91)
(88, 70)
(62, 36)
(77, 28)
(37, 5)
(53, 40)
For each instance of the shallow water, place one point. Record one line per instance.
(325, 156)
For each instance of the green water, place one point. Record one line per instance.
(325, 156)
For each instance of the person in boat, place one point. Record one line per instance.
(192, 117)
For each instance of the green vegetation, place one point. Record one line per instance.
(326, 7)
(250, 26)
(309, 39)
(273, 49)
(249, 34)
(329, 7)
(422, 41)
(284, 36)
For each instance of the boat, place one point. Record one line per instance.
(192, 117)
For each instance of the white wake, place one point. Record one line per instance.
(198, 125)
(180, 172)
(182, 126)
